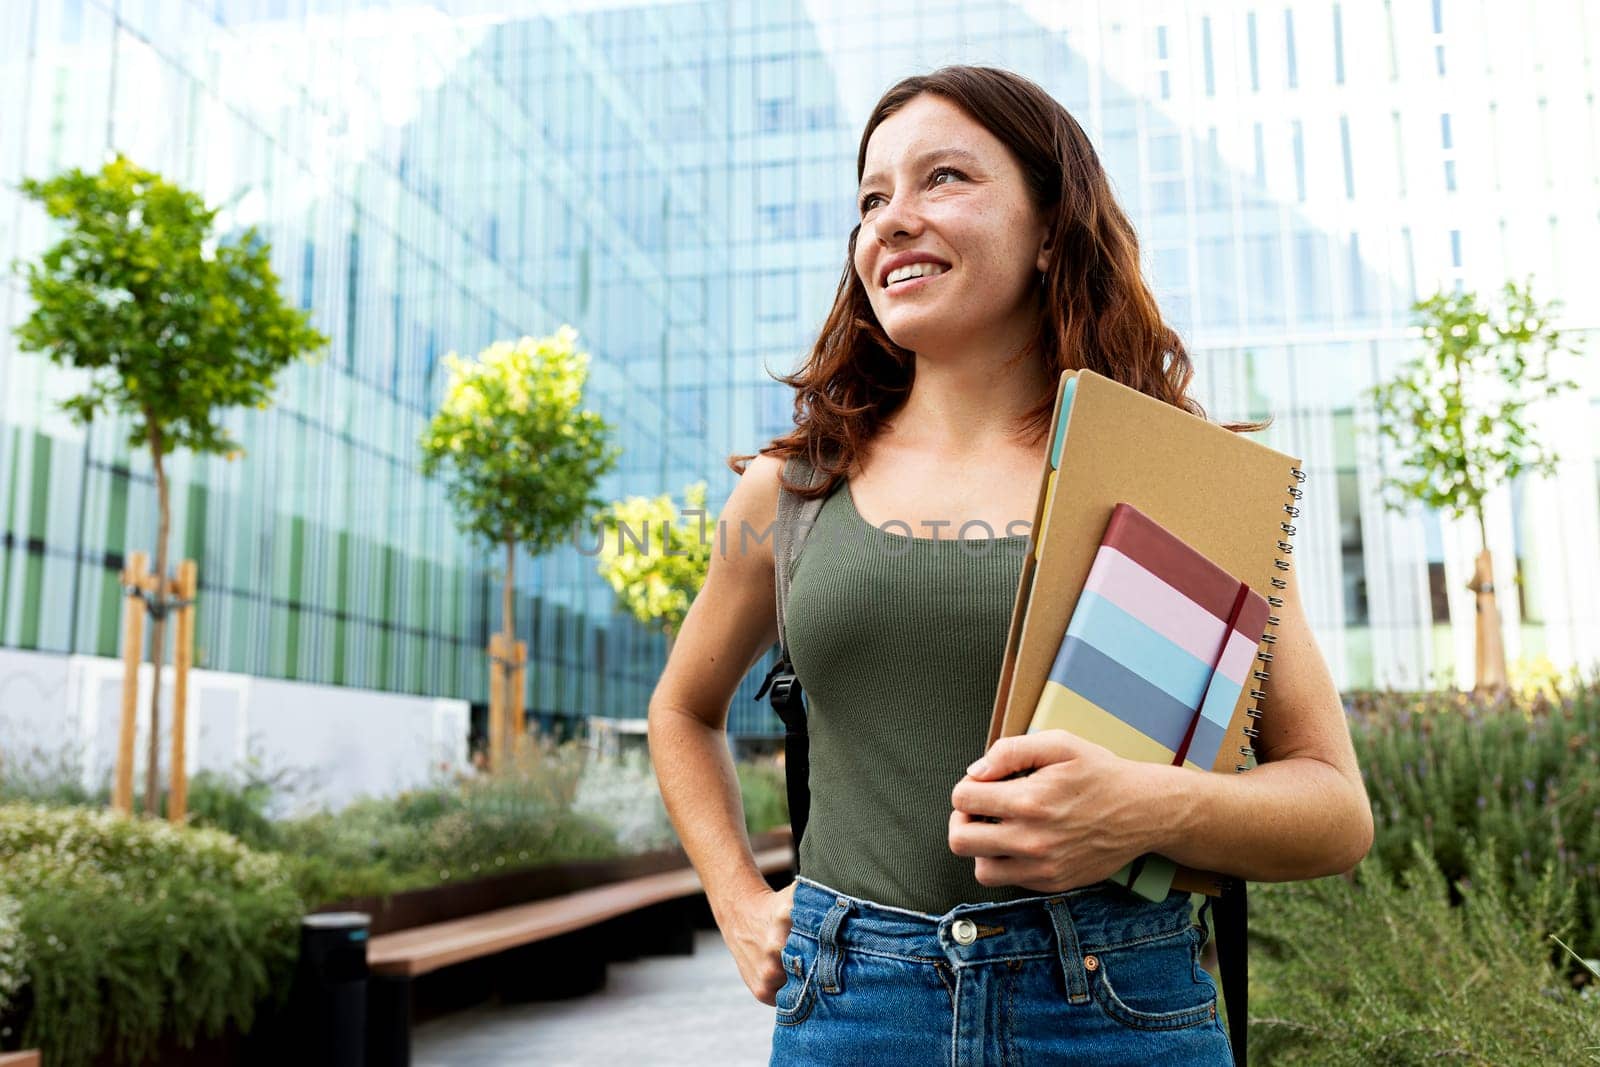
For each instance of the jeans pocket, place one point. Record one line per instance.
(799, 991)
(1154, 984)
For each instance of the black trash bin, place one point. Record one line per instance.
(328, 1015)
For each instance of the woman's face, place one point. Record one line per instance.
(937, 183)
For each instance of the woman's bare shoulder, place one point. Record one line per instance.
(752, 508)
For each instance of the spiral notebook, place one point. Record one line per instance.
(1153, 661)
(1224, 495)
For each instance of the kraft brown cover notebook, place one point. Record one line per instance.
(1228, 498)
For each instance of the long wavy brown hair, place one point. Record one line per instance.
(1095, 310)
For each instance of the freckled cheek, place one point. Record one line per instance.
(863, 276)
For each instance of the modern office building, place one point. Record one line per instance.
(675, 180)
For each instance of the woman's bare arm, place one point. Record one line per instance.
(730, 625)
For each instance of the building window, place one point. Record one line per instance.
(777, 114)
(777, 409)
(1438, 593)
(1399, 155)
(1299, 161)
(1388, 25)
(1205, 44)
(1163, 73)
(1455, 248)
(1358, 296)
(1352, 550)
(1338, 47)
(1255, 66)
(1288, 44)
(775, 296)
(1349, 166)
(1528, 604)
(778, 221)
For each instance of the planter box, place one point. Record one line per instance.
(419, 907)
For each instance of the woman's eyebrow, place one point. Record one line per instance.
(925, 159)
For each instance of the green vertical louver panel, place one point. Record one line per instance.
(8, 554)
(297, 542)
(385, 679)
(340, 606)
(38, 528)
(194, 531)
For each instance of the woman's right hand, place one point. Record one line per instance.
(756, 928)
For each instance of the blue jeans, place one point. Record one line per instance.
(1094, 975)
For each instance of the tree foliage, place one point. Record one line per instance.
(519, 456)
(1458, 412)
(655, 556)
(168, 325)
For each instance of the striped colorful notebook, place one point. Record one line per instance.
(1155, 656)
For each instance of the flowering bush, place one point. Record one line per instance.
(13, 951)
(135, 927)
(622, 791)
(1459, 775)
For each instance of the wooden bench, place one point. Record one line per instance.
(549, 948)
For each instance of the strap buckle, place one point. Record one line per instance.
(786, 695)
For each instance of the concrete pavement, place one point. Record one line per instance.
(666, 1010)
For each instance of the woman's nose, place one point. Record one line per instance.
(897, 216)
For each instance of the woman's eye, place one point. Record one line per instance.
(866, 201)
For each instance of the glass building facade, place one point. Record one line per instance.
(675, 180)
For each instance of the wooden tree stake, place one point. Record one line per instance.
(183, 655)
(135, 575)
(1491, 649)
(519, 676)
(497, 690)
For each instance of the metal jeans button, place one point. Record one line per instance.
(964, 931)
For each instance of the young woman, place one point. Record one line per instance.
(990, 256)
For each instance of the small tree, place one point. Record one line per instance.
(168, 326)
(656, 557)
(519, 458)
(1457, 415)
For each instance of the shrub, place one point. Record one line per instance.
(1458, 776)
(51, 777)
(622, 792)
(1383, 969)
(13, 952)
(466, 829)
(235, 806)
(134, 927)
(765, 793)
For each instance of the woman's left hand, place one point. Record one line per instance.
(1079, 816)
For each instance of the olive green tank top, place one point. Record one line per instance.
(897, 642)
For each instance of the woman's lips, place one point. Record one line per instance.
(914, 284)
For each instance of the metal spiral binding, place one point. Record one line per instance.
(1274, 602)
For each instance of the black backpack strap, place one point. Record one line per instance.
(1232, 915)
(792, 524)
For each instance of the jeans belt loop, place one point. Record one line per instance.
(1071, 952)
(828, 937)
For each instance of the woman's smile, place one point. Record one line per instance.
(913, 284)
